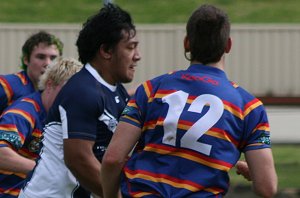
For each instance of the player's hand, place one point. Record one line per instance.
(243, 169)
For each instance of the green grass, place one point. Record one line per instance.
(287, 163)
(148, 11)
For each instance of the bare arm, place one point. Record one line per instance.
(243, 169)
(81, 161)
(262, 172)
(123, 140)
(12, 161)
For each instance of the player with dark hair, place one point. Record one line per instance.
(85, 114)
(38, 51)
(190, 126)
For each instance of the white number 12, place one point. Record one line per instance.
(176, 102)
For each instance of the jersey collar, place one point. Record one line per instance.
(97, 76)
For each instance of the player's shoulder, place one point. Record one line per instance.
(80, 88)
(245, 95)
(80, 82)
(31, 103)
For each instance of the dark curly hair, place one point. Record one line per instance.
(36, 39)
(208, 31)
(104, 28)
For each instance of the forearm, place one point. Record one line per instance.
(12, 161)
(110, 177)
(262, 171)
(83, 164)
(87, 172)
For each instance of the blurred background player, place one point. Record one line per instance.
(21, 126)
(85, 113)
(191, 126)
(38, 51)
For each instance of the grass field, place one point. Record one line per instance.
(148, 11)
(287, 162)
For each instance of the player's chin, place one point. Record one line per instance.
(128, 78)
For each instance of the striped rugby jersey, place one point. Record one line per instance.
(21, 126)
(195, 124)
(14, 86)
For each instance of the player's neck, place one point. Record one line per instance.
(219, 64)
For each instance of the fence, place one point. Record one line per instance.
(264, 58)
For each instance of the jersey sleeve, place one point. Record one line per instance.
(134, 112)
(79, 112)
(256, 126)
(15, 125)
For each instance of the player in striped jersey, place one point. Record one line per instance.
(38, 51)
(191, 126)
(21, 126)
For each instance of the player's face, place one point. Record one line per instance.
(124, 59)
(42, 55)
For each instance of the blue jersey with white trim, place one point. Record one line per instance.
(86, 108)
(195, 124)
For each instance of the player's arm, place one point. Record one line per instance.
(243, 169)
(262, 172)
(12, 161)
(80, 159)
(123, 140)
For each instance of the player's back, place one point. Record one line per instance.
(196, 125)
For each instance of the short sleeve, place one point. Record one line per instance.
(15, 126)
(79, 114)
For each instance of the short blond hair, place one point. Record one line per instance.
(59, 71)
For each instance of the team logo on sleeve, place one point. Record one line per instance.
(265, 139)
(127, 110)
(109, 120)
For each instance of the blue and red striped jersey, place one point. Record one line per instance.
(195, 124)
(21, 126)
(14, 86)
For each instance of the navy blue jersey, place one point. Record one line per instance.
(195, 124)
(86, 108)
(92, 110)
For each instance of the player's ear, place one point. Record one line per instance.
(186, 44)
(105, 52)
(25, 60)
(228, 45)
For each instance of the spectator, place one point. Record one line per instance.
(38, 51)
(84, 115)
(21, 126)
(190, 126)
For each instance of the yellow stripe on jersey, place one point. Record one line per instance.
(251, 105)
(22, 78)
(164, 150)
(24, 114)
(175, 182)
(33, 102)
(7, 89)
